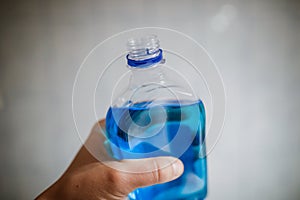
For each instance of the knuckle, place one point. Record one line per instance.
(157, 173)
(114, 176)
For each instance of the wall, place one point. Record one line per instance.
(255, 44)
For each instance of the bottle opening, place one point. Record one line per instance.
(143, 51)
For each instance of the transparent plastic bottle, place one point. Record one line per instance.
(158, 115)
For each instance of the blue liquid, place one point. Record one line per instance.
(170, 129)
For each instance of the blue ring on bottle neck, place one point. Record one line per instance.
(144, 63)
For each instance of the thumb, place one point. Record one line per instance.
(149, 171)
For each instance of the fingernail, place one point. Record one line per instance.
(178, 168)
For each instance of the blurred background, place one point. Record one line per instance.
(256, 45)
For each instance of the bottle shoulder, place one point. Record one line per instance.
(154, 92)
(159, 83)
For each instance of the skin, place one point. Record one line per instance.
(88, 178)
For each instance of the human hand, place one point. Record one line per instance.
(87, 178)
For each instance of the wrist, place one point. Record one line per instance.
(51, 193)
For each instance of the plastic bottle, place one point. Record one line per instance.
(158, 115)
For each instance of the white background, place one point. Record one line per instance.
(256, 45)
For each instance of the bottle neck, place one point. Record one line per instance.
(143, 52)
(145, 61)
(144, 76)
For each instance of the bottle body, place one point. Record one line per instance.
(193, 183)
(157, 115)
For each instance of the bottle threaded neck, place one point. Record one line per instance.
(143, 51)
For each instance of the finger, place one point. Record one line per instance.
(149, 171)
(93, 149)
(96, 145)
